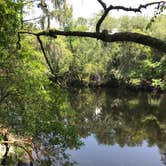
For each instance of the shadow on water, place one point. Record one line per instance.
(112, 117)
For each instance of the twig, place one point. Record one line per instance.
(103, 4)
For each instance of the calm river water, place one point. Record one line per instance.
(120, 128)
(94, 127)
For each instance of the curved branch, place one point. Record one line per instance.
(116, 37)
(135, 9)
(45, 55)
(18, 45)
(101, 20)
(103, 4)
(111, 7)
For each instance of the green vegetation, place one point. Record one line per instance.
(75, 61)
(31, 73)
(112, 116)
(101, 63)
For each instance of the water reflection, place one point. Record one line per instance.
(121, 124)
(123, 118)
(33, 152)
(49, 130)
(98, 154)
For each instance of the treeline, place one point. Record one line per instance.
(30, 103)
(74, 61)
(90, 62)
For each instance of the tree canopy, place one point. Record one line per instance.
(103, 51)
(105, 29)
(104, 35)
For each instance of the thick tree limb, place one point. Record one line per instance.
(111, 7)
(102, 4)
(116, 37)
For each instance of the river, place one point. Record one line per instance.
(109, 127)
(121, 128)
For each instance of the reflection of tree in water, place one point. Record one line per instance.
(123, 118)
(113, 116)
(51, 129)
(43, 151)
(163, 156)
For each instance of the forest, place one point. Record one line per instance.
(39, 56)
(27, 50)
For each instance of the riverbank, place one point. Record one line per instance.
(142, 85)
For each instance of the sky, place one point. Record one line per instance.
(87, 8)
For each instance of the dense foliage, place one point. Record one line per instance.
(30, 104)
(93, 62)
(26, 101)
(86, 61)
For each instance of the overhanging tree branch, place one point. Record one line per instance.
(116, 37)
(105, 37)
(111, 7)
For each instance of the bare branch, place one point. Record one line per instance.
(111, 7)
(29, 2)
(45, 55)
(103, 4)
(135, 9)
(41, 45)
(152, 3)
(101, 20)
